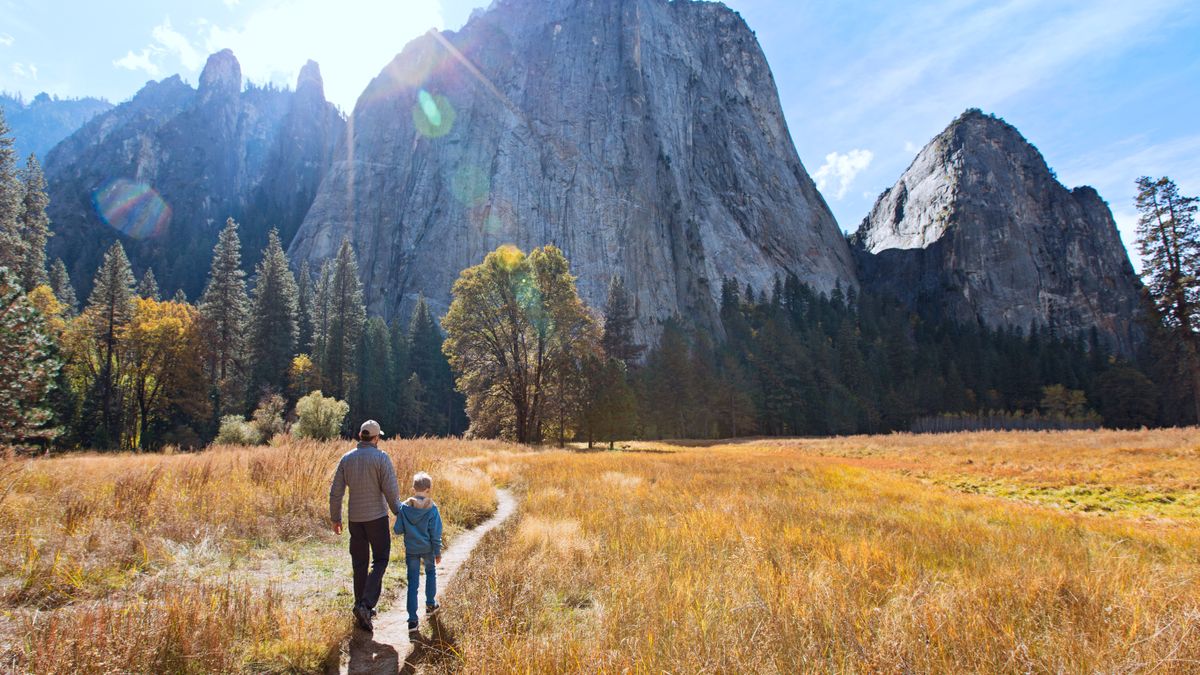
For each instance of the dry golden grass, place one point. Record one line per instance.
(214, 562)
(837, 555)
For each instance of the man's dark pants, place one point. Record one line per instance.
(372, 540)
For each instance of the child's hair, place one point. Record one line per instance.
(422, 481)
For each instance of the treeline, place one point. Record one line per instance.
(795, 362)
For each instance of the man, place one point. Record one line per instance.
(369, 474)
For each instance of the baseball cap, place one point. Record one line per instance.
(371, 427)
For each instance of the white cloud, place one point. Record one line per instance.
(352, 44)
(27, 71)
(911, 148)
(140, 61)
(174, 43)
(6, 40)
(842, 169)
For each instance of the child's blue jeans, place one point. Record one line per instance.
(414, 582)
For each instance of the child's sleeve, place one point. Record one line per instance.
(435, 533)
(398, 528)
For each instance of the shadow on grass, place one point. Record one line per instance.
(438, 647)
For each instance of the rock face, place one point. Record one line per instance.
(643, 137)
(979, 229)
(41, 123)
(163, 171)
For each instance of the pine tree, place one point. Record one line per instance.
(346, 316)
(28, 368)
(64, 290)
(273, 326)
(148, 286)
(180, 297)
(305, 299)
(426, 360)
(619, 320)
(109, 310)
(1169, 241)
(320, 314)
(12, 193)
(374, 393)
(35, 224)
(224, 305)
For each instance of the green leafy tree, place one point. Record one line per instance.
(34, 225)
(274, 330)
(319, 417)
(1169, 242)
(148, 286)
(28, 369)
(515, 324)
(224, 307)
(64, 290)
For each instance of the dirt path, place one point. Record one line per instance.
(389, 649)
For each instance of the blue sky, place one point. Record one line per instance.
(1107, 89)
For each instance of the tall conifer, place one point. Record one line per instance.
(35, 224)
(148, 286)
(346, 316)
(619, 320)
(305, 299)
(109, 310)
(12, 247)
(273, 326)
(64, 290)
(224, 306)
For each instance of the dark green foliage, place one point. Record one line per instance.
(801, 363)
(373, 397)
(224, 307)
(1126, 398)
(64, 290)
(273, 325)
(619, 320)
(440, 403)
(109, 310)
(305, 299)
(148, 286)
(343, 315)
(29, 368)
(609, 410)
(12, 194)
(35, 225)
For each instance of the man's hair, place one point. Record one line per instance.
(422, 481)
(365, 435)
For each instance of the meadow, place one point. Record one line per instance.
(989, 552)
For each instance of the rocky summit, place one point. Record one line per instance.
(643, 137)
(163, 171)
(979, 229)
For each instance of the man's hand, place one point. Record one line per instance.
(337, 527)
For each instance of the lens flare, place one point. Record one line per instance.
(132, 208)
(432, 115)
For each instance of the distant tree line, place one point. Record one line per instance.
(524, 358)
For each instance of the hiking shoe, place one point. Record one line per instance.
(430, 610)
(363, 614)
(412, 625)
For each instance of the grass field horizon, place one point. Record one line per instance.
(981, 552)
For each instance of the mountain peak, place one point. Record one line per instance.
(222, 74)
(310, 79)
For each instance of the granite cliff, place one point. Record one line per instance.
(979, 229)
(164, 170)
(643, 137)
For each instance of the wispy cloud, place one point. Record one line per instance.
(26, 71)
(169, 46)
(6, 40)
(842, 169)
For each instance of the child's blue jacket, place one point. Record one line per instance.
(421, 527)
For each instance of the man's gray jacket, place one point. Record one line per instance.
(371, 477)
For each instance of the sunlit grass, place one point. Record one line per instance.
(838, 555)
(216, 561)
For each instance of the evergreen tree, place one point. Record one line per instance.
(180, 297)
(64, 290)
(320, 314)
(426, 360)
(619, 320)
(12, 194)
(35, 224)
(346, 316)
(224, 306)
(273, 325)
(148, 286)
(305, 299)
(1169, 242)
(374, 393)
(28, 368)
(109, 311)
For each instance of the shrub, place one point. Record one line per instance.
(268, 417)
(320, 417)
(237, 431)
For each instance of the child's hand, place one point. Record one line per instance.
(437, 560)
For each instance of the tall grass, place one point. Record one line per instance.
(137, 563)
(801, 556)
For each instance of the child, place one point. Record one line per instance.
(421, 525)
